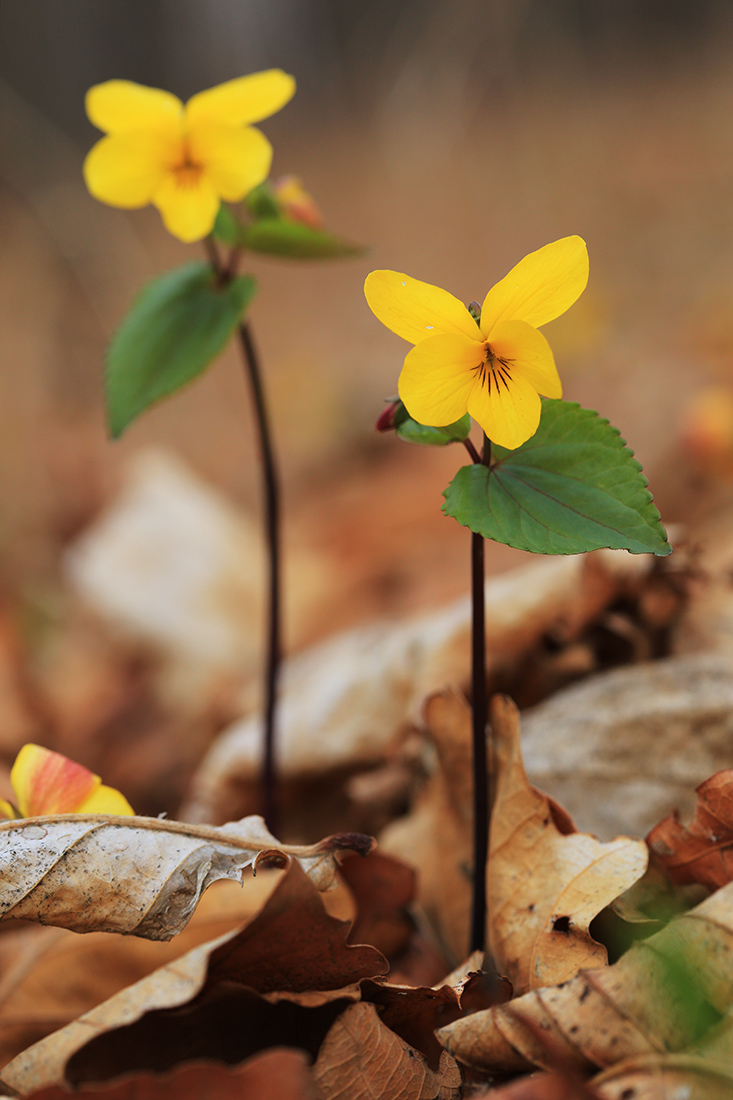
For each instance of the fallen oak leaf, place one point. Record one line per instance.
(279, 1074)
(702, 851)
(280, 980)
(138, 875)
(664, 994)
(361, 1059)
(546, 882)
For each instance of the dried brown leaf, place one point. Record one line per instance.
(545, 886)
(662, 995)
(49, 976)
(361, 1059)
(281, 980)
(279, 1074)
(383, 888)
(702, 851)
(137, 875)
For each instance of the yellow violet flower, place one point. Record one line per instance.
(183, 159)
(46, 782)
(494, 369)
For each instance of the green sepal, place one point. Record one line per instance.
(413, 432)
(284, 237)
(573, 487)
(177, 325)
(228, 229)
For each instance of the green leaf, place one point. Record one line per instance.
(413, 432)
(228, 229)
(262, 201)
(574, 486)
(178, 324)
(284, 237)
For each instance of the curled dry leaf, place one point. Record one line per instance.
(662, 995)
(383, 889)
(702, 851)
(137, 875)
(279, 1074)
(281, 980)
(546, 882)
(361, 1059)
(665, 1077)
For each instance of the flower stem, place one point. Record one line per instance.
(271, 493)
(272, 529)
(480, 719)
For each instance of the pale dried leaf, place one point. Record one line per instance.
(662, 995)
(281, 979)
(545, 887)
(361, 1059)
(137, 875)
(666, 1077)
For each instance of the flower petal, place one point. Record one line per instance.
(7, 810)
(105, 800)
(541, 286)
(235, 159)
(438, 376)
(415, 310)
(246, 99)
(188, 209)
(118, 106)
(126, 169)
(509, 412)
(46, 782)
(529, 355)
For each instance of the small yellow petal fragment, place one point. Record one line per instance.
(529, 354)
(235, 159)
(509, 414)
(541, 286)
(118, 106)
(46, 782)
(416, 310)
(7, 810)
(125, 170)
(105, 800)
(246, 99)
(438, 376)
(188, 209)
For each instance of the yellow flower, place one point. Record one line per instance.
(494, 369)
(183, 159)
(46, 782)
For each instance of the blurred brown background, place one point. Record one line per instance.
(452, 137)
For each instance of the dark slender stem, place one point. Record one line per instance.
(480, 721)
(271, 492)
(475, 456)
(272, 526)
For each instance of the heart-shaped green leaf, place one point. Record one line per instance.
(573, 487)
(177, 325)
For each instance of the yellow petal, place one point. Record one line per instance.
(246, 99)
(541, 287)
(105, 800)
(235, 159)
(46, 782)
(415, 310)
(508, 411)
(188, 208)
(7, 810)
(125, 170)
(438, 376)
(118, 106)
(529, 355)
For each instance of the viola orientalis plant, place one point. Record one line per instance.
(549, 476)
(189, 160)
